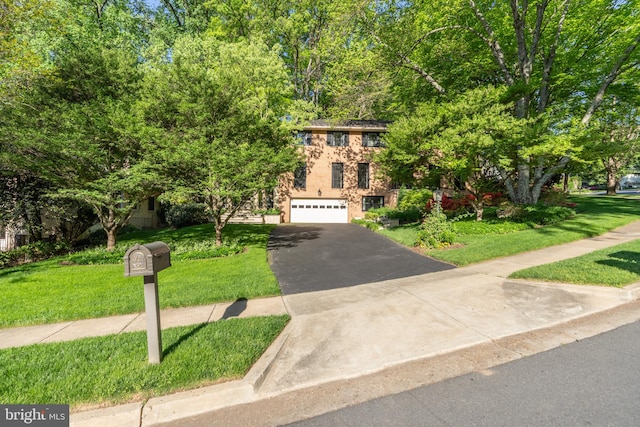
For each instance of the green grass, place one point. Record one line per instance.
(595, 215)
(617, 266)
(48, 292)
(115, 369)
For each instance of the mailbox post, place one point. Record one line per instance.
(147, 260)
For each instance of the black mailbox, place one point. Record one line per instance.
(146, 260)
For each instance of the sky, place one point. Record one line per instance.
(152, 3)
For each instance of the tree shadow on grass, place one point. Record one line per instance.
(624, 260)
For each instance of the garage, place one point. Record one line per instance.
(319, 211)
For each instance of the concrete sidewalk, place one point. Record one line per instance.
(72, 330)
(352, 333)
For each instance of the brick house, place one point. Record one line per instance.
(338, 180)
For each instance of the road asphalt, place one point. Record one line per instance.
(348, 345)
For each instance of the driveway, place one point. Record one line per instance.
(317, 257)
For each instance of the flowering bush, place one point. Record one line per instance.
(464, 202)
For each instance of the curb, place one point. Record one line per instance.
(188, 403)
(260, 370)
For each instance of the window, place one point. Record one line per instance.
(371, 139)
(337, 170)
(372, 202)
(151, 204)
(363, 175)
(300, 177)
(304, 138)
(338, 139)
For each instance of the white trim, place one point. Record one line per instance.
(319, 211)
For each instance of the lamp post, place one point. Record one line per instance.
(437, 197)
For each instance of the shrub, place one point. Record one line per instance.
(404, 216)
(413, 199)
(488, 227)
(371, 225)
(270, 211)
(204, 249)
(554, 196)
(32, 252)
(435, 231)
(98, 255)
(186, 214)
(542, 214)
(459, 204)
(179, 251)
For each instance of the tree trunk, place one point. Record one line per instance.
(523, 191)
(109, 226)
(111, 239)
(218, 225)
(218, 234)
(612, 171)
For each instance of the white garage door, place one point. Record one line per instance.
(319, 210)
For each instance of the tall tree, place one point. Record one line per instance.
(216, 112)
(548, 52)
(614, 137)
(75, 131)
(468, 139)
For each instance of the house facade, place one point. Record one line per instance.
(338, 180)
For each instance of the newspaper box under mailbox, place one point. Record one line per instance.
(146, 260)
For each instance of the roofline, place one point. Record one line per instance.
(362, 125)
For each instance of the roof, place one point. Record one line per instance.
(367, 125)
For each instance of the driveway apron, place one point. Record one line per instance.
(317, 257)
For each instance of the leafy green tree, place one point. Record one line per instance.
(329, 58)
(215, 112)
(75, 131)
(558, 65)
(614, 137)
(469, 139)
(20, 62)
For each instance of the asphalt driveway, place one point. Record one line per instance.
(316, 257)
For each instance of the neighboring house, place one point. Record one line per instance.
(12, 238)
(146, 215)
(338, 180)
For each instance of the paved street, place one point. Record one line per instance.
(591, 382)
(317, 257)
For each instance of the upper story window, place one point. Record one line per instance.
(337, 174)
(372, 139)
(300, 177)
(304, 137)
(338, 139)
(363, 175)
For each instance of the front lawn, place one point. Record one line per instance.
(616, 266)
(595, 216)
(53, 291)
(115, 369)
